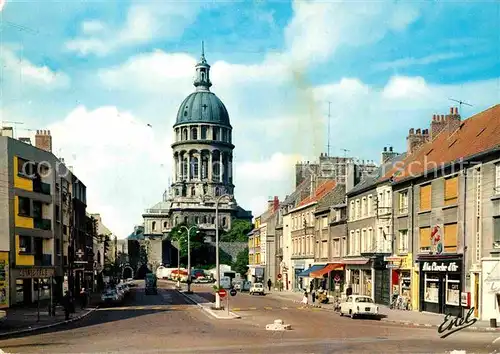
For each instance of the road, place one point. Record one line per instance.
(167, 323)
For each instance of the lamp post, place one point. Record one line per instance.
(217, 262)
(189, 253)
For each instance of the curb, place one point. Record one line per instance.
(203, 308)
(29, 330)
(409, 323)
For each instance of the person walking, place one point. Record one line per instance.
(83, 299)
(269, 283)
(66, 303)
(348, 291)
(313, 296)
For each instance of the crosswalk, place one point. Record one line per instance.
(149, 308)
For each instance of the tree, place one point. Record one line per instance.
(240, 265)
(238, 232)
(196, 239)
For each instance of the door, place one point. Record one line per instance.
(382, 286)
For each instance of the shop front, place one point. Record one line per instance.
(400, 268)
(490, 302)
(440, 284)
(307, 281)
(31, 285)
(330, 278)
(298, 266)
(359, 276)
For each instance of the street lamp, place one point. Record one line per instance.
(189, 253)
(217, 262)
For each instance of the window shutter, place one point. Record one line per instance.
(425, 197)
(451, 191)
(450, 238)
(425, 239)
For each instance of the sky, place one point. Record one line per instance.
(107, 78)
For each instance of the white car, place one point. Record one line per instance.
(257, 288)
(358, 305)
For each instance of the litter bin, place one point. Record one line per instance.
(493, 322)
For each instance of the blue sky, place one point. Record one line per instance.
(96, 73)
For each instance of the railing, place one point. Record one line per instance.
(43, 224)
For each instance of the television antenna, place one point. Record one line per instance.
(13, 123)
(328, 140)
(345, 152)
(460, 103)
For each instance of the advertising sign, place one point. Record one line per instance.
(4, 279)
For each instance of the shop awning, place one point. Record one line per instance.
(313, 268)
(327, 269)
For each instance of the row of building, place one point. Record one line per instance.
(48, 240)
(424, 224)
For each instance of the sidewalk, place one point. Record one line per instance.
(408, 318)
(25, 319)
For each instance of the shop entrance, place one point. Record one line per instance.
(382, 286)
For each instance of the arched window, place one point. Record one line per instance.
(153, 225)
(193, 191)
(217, 191)
(196, 220)
(185, 220)
(215, 133)
(194, 133)
(203, 132)
(164, 224)
(205, 219)
(194, 167)
(213, 220)
(184, 134)
(224, 221)
(184, 168)
(176, 222)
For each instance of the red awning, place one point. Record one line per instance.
(327, 269)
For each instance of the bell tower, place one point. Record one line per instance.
(202, 80)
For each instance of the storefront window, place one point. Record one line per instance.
(453, 289)
(431, 288)
(19, 291)
(44, 288)
(405, 284)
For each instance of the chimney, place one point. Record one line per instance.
(43, 140)
(390, 148)
(385, 149)
(7, 131)
(450, 122)
(416, 138)
(276, 203)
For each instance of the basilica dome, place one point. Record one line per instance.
(202, 107)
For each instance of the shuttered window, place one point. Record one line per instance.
(450, 238)
(425, 239)
(425, 197)
(451, 191)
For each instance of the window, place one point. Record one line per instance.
(364, 241)
(336, 247)
(358, 209)
(164, 224)
(363, 207)
(496, 230)
(344, 246)
(58, 211)
(369, 206)
(37, 210)
(224, 221)
(24, 207)
(351, 243)
(425, 197)
(450, 238)
(194, 133)
(352, 214)
(25, 244)
(451, 191)
(184, 134)
(357, 242)
(324, 224)
(153, 225)
(403, 241)
(371, 241)
(497, 178)
(203, 132)
(453, 289)
(403, 202)
(425, 239)
(25, 167)
(431, 292)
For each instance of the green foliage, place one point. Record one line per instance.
(238, 232)
(179, 234)
(240, 265)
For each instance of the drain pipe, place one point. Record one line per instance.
(464, 231)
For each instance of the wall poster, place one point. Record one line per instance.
(4, 279)
(431, 289)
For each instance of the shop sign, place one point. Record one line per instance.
(440, 267)
(36, 273)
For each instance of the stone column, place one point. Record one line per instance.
(221, 167)
(210, 165)
(189, 166)
(199, 165)
(174, 167)
(179, 166)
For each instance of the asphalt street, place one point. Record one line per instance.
(168, 323)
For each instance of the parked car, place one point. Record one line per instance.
(257, 288)
(246, 285)
(358, 305)
(111, 295)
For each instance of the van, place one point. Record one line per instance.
(225, 282)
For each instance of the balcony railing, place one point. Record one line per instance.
(43, 260)
(41, 187)
(42, 224)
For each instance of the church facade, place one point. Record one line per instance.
(202, 170)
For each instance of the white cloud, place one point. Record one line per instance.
(318, 28)
(144, 22)
(118, 157)
(17, 69)
(406, 62)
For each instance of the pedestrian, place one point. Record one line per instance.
(313, 296)
(83, 298)
(66, 303)
(348, 291)
(311, 286)
(304, 299)
(269, 283)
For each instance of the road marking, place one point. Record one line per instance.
(252, 308)
(268, 308)
(236, 309)
(150, 307)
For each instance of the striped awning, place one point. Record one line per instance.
(307, 272)
(327, 269)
